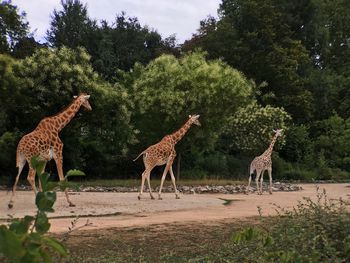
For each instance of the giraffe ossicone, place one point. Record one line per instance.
(262, 163)
(45, 143)
(164, 153)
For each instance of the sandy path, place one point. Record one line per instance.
(106, 210)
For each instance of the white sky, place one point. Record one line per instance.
(180, 17)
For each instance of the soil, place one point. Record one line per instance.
(120, 210)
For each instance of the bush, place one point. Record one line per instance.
(24, 240)
(314, 231)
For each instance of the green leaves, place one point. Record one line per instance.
(24, 240)
(10, 245)
(45, 200)
(169, 89)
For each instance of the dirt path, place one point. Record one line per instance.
(107, 210)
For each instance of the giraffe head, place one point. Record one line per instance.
(84, 100)
(194, 119)
(278, 132)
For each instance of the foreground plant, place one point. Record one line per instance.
(24, 240)
(314, 231)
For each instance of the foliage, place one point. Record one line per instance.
(169, 89)
(320, 227)
(254, 37)
(25, 240)
(251, 128)
(13, 26)
(71, 26)
(332, 141)
(112, 47)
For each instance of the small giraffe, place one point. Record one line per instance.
(262, 163)
(164, 153)
(45, 143)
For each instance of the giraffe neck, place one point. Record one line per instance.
(177, 136)
(63, 118)
(268, 152)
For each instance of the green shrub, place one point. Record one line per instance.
(314, 231)
(25, 240)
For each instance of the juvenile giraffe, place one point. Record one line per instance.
(45, 143)
(262, 163)
(164, 153)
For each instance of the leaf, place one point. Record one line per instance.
(44, 177)
(56, 245)
(46, 257)
(45, 200)
(42, 224)
(37, 164)
(21, 226)
(10, 245)
(75, 172)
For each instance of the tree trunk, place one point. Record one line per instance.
(178, 167)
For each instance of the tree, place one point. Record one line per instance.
(250, 129)
(253, 36)
(169, 89)
(71, 27)
(47, 82)
(13, 26)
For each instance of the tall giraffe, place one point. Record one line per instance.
(262, 163)
(164, 153)
(45, 143)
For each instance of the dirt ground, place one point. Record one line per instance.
(124, 210)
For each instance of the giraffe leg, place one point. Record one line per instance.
(270, 178)
(249, 181)
(148, 177)
(59, 164)
(173, 181)
(261, 181)
(163, 178)
(31, 179)
(258, 172)
(143, 177)
(40, 188)
(20, 168)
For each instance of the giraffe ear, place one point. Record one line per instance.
(87, 97)
(189, 116)
(274, 130)
(75, 97)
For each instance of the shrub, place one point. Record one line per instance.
(24, 240)
(314, 231)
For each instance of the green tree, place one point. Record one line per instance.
(169, 89)
(47, 82)
(13, 26)
(71, 27)
(254, 37)
(250, 129)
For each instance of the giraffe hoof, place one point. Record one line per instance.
(71, 205)
(10, 206)
(159, 198)
(139, 197)
(152, 197)
(177, 197)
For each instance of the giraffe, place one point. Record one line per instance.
(45, 143)
(262, 163)
(164, 153)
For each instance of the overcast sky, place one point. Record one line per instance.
(180, 17)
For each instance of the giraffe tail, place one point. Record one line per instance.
(138, 156)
